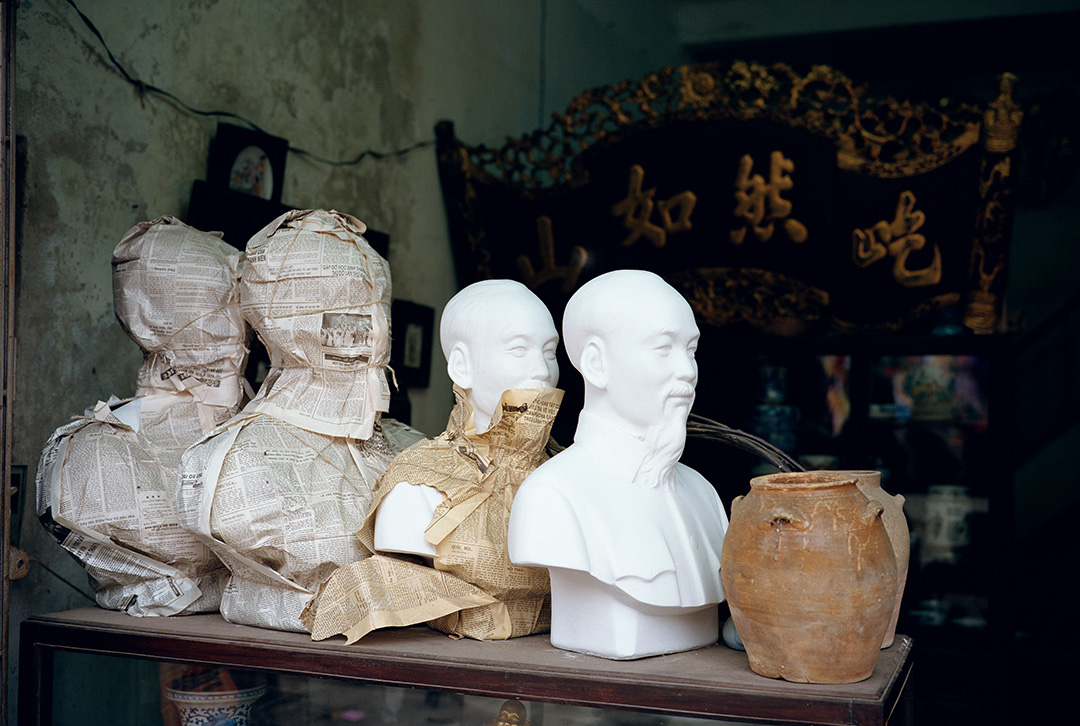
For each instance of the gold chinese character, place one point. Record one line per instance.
(898, 239)
(759, 203)
(550, 271)
(637, 209)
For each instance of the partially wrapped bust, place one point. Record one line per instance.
(441, 511)
(472, 589)
(107, 482)
(279, 490)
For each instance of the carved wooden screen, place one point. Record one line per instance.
(765, 196)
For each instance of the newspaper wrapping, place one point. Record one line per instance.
(278, 491)
(472, 589)
(106, 483)
(318, 296)
(279, 504)
(175, 293)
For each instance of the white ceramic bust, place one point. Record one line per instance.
(496, 336)
(630, 537)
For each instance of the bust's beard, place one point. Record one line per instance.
(666, 440)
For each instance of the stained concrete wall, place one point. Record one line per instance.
(334, 77)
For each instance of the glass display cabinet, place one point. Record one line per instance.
(931, 412)
(92, 666)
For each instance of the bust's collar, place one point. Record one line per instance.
(626, 456)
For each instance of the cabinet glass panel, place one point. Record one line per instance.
(92, 689)
(929, 422)
(924, 421)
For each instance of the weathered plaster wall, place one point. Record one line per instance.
(335, 78)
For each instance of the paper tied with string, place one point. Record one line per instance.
(107, 496)
(176, 293)
(107, 482)
(278, 491)
(472, 589)
(318, 296)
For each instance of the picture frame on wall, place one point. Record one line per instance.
(247, 161)
(412, 328)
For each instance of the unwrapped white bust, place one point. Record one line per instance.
(279, 491)
(631, 537)
(107, 482)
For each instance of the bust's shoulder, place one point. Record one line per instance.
(564, 470)
(698, 494)
(544, 530)
(691, 477)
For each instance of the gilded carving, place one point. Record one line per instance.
(512, 713)
(568, 273)
(880, 137)
(723, 295)
(898, 239)
(873, 137)
(999, 172)
(1000, 132)
(1001, 121)
(759, 204)
(636, 210)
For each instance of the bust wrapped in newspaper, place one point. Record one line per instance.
(279, 491)
(107, 481)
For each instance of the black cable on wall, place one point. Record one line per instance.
(147, 88)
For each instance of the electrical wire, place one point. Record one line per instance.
(144, 88)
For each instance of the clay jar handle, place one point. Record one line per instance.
(784, 517)
(871, 511)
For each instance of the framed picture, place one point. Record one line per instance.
(247, 161)
(411, 326)
(235, 214)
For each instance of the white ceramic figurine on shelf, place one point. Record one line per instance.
(448, 499)
(631, 537)
(497, 336)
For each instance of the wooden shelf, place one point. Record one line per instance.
(711, 683)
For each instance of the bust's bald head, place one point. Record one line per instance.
(613, 302)
(633, 338)
(496, 336)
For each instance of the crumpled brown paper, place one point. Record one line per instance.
(473, 590)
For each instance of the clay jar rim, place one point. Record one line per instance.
(870, 475)
(803, 480)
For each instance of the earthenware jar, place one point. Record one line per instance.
(810, 577)
(896, 526)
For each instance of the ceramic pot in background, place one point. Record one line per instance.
(215, 708)
(896, 526)
(810, 577)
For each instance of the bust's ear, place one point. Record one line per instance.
(594, 368)
(459, 367)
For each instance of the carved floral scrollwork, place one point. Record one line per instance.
(882, 137)
(724, 295)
